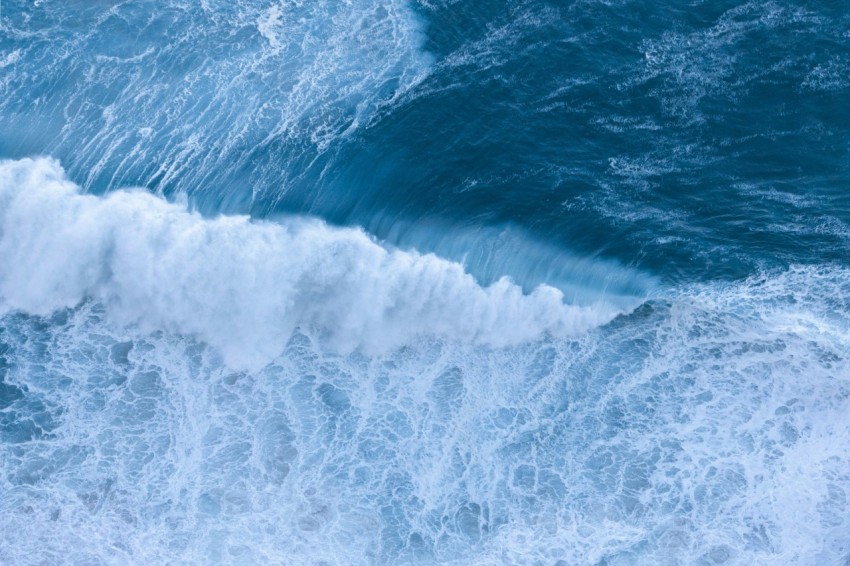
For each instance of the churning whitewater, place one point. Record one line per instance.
(424, 282)
(244, 287)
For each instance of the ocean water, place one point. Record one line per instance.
(424, 282)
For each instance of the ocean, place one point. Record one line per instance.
(425, 282)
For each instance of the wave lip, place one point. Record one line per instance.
(244, 286)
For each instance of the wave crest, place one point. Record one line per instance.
(245, 286)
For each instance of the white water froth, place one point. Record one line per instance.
(245, 286)
(709, 428)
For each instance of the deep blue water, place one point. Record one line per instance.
(434, 281)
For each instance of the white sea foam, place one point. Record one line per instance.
(245, 286)
(706, 428)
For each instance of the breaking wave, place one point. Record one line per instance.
(245, 286)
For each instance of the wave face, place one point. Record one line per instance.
(417, 282)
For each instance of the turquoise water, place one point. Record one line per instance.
(424, 282)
